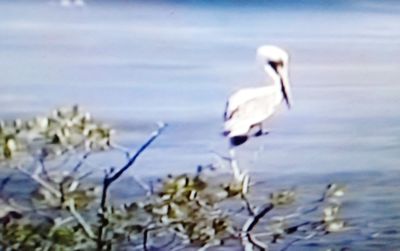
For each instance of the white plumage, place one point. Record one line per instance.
(248, 108)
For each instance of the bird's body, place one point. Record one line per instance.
(250, 107)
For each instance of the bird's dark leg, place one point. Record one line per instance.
(260, 131)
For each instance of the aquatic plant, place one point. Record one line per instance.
(69, 210)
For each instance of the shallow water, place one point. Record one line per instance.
(135, 64)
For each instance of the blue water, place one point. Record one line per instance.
(134, 64)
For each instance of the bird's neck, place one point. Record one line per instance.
(276, 80)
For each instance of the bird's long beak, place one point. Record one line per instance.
(286, 90)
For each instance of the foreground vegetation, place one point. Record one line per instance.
(68, 209)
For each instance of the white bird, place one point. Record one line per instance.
(248, 108)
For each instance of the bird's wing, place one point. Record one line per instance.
(255, 110)
(246, 97)
(251, 111)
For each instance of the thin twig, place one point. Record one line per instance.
(46, 185)
(81, 162)
(108, 180)
(64, 221)
(146, 235)
(85, 175)
(121, 149)
(111, 177)
(249, 207)
(253, 221)
(253, 240)
(78, 217)
(143, 185)
(222, 157)
(249, 241)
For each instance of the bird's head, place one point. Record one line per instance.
(275, 62)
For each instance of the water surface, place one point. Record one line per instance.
(134, 64)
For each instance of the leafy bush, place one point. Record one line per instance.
(68, 211)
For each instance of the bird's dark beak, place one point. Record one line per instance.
(286, 90)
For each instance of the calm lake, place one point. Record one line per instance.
(134, 64)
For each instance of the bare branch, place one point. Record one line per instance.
(84, 176)
(81, 162)
(154, 135)
(221, 157)
(146, 235)
(121, 149)
(143, 185)
(249, 241)
(252, 222)
(257, 243)
(43, 183)
(110, 178)
(145, 238)
(78, 217)
(249, 207)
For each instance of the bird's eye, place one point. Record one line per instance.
(275, 64)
